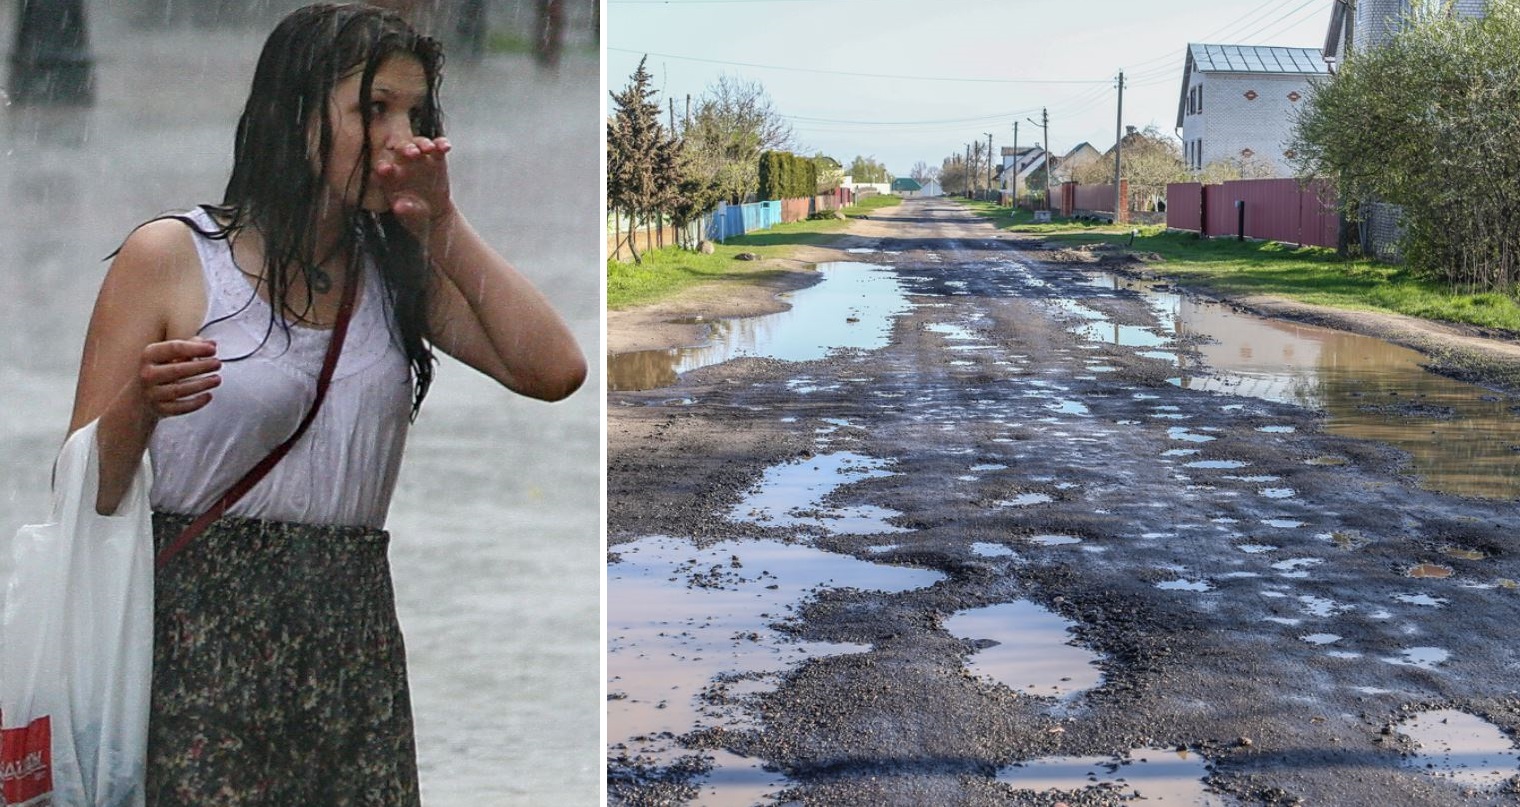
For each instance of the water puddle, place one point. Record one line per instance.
(986, 550)
(1459, 747)
(792, 495)
(1159, 775)
(1185, 585)
(1026, 500)
(852, 307)
(736, 781)
(680, 618)
(1026, 648)
(1216, 464)
(1421, 599)
(1424, 657)
(1054, 540)
(1460, 437)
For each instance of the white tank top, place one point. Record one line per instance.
(343, 469)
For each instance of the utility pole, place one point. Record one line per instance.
(1015, 163)
(672, 116)
(967, 182)
(989, 162)
(1045, 125)
(1118, 150)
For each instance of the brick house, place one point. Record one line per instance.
(1375, 21)
(1238, 101)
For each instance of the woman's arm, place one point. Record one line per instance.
(132, 373)
(483, 311)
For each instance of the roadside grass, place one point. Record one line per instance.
(664, 272)
(1308, 274)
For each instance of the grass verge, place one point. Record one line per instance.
(1307, 274)
(664, 272)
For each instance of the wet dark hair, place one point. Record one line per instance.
(274, 186)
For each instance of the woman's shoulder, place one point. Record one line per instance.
(159, 256)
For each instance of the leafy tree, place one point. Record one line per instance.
(830, 173)
(868, 170)
(953, 175)
(1149, 160)
(734, 122)
(694, 193)
(1430, 121)
(639, 158)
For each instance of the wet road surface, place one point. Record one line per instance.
(1253, 586)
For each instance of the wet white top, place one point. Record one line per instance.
(343, 469)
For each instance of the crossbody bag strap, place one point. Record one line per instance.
(259, 471)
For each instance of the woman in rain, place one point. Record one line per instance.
(279, 675)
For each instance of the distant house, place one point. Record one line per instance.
(1018, 164)
(907, 187)
(1237, 101)
(1083, 154)
(1026, 161)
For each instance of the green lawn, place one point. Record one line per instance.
(1308, 274)
(666, 271)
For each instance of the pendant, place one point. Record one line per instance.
(319, 280)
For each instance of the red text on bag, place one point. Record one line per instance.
(26, 761)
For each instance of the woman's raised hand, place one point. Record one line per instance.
(416, 183)
(176, 377)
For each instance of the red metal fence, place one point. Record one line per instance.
(1275, 210)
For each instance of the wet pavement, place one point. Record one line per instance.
(494, 522)
(1246, 558)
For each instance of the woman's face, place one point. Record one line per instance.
(397, 98)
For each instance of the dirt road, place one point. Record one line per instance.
(1240, 576)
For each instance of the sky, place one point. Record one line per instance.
(905, 81)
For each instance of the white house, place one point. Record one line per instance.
(1238, 101)
(1375, 21)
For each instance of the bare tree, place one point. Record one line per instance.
(924, 173)
(734, 122)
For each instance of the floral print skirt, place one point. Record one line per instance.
(279, 675)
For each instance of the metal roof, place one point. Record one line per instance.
(1256, 59)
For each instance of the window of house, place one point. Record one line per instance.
(1200, 97)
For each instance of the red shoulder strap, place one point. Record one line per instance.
(258, 472)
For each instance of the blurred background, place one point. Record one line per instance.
(113, 112)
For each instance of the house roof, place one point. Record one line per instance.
(1257, 59)
(906, 184)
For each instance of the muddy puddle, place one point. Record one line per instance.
(1462, 438)
(793, 495)
(851, 307)
(1461, 748)
(1144, 775)
(1026, 648)
(690, 636)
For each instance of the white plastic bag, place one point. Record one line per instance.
(76, 651)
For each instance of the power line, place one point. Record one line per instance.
(896, 77)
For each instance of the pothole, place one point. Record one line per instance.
(1458, 747)
(1163, 776)
(1026, 648)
